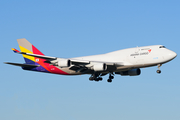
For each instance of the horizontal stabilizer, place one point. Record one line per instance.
(38, 56)
(22, 65)
(14, 50)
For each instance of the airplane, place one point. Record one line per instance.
(126, 62)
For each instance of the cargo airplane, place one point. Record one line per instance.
(126, 62)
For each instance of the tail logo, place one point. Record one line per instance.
(37, 60)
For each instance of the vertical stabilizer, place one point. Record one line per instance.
(27, 47)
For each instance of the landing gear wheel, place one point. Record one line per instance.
(109, 80)
(91, 78)
(96, 79)
(111, 77)
(158, 71)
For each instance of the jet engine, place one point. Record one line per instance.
(133, 72)
(100, 67)
(64, 63)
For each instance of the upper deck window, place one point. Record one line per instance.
(162, 47)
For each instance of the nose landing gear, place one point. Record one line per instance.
(159, 71)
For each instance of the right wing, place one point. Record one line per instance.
(75, 64)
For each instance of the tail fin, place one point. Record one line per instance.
(27, 47)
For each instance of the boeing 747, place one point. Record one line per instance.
(126, 62)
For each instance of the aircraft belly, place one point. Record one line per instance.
(73, 72)
(128, 67)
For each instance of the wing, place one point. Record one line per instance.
(77, 65)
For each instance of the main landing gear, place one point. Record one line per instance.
(159, 71)
(110, 77)
(97, 77)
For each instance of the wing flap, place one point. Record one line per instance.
(79, 62)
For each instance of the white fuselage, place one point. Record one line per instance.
(134, 57)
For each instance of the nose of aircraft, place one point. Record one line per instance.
(172, 54)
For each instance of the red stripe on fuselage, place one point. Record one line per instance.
(47, 66)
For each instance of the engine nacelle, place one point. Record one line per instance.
(64, 63)
(100, 67)
(133, 72)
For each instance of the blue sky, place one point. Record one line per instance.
(67, 28)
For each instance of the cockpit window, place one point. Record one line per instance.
(162, 47)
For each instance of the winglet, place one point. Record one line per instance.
(14, 50)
